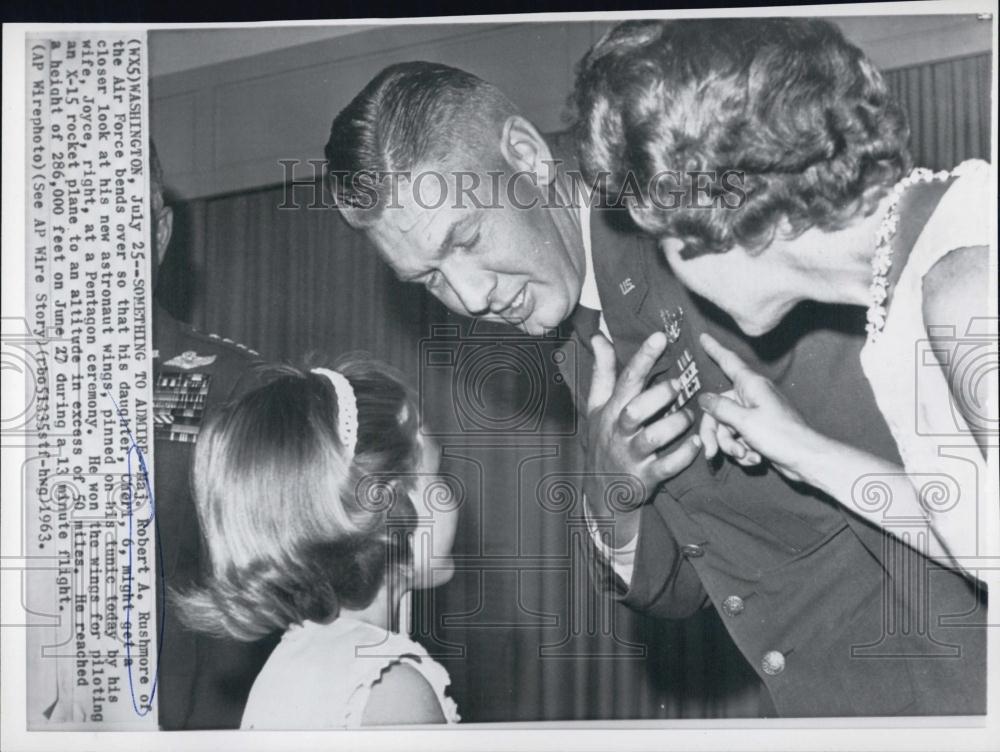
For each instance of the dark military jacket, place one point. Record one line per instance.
(836, 616)
(203, 681)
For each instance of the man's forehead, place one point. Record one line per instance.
(409, 236)
(410, 217)
(417, 225)
(431, 198)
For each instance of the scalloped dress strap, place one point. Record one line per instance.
(397, 649)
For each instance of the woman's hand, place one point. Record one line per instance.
(718, 437)
(756, 413)
(753, 419)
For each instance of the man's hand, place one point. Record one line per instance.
(627, 434)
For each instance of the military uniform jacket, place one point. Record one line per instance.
(203, 681)
(835, 616)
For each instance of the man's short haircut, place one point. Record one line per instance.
(412, 115)
(295, 529)
(790, 103)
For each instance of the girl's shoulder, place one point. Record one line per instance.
(400, 695)
(322, 676)
(392, 669)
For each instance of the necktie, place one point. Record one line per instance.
(586, 323)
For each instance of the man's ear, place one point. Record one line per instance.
(524, 149)
(164, 229)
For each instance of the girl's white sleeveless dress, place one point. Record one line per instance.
(320, 676)
(938, 450)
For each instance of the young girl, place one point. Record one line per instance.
(312, 492)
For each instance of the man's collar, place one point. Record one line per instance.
(589, 295)
(563, 151)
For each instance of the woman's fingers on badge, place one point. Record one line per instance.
(728, 442)
(726, 410)
(730, 363)
(707, 431)
(750, 457)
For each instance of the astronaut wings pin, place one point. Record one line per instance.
(687, 368)
(672, 323)
(190, 359)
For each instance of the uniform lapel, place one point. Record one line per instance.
(577, 358)
(640, 295)
(621, 280)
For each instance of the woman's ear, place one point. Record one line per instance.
(785, 230)
(525, 150)
(635, 211)
(872, 197)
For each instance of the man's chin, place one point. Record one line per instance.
(757, 327)
(539, 323)
(534, 327)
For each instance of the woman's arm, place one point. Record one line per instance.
(771, 426)
(874, 488)
(956, 293)
(402, 697)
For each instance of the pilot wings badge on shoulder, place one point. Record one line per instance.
(190, 359)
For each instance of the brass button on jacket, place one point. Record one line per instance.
(733, 605)
(773, 663)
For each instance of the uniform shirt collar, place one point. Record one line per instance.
(589, 295)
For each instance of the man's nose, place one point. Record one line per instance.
(475, 291)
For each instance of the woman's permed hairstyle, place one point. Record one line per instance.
(291, 533)
(786, 110)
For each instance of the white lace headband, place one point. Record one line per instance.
(347, 409)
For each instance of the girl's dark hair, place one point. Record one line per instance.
(785, 110)
(295, 529)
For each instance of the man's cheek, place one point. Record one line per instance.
(450, 301)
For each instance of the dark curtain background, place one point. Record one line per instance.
(520, 628)
(949, 109)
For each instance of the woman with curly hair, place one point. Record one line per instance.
(769, 158)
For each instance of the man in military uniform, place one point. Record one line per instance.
(811, 595)
(203, 682)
